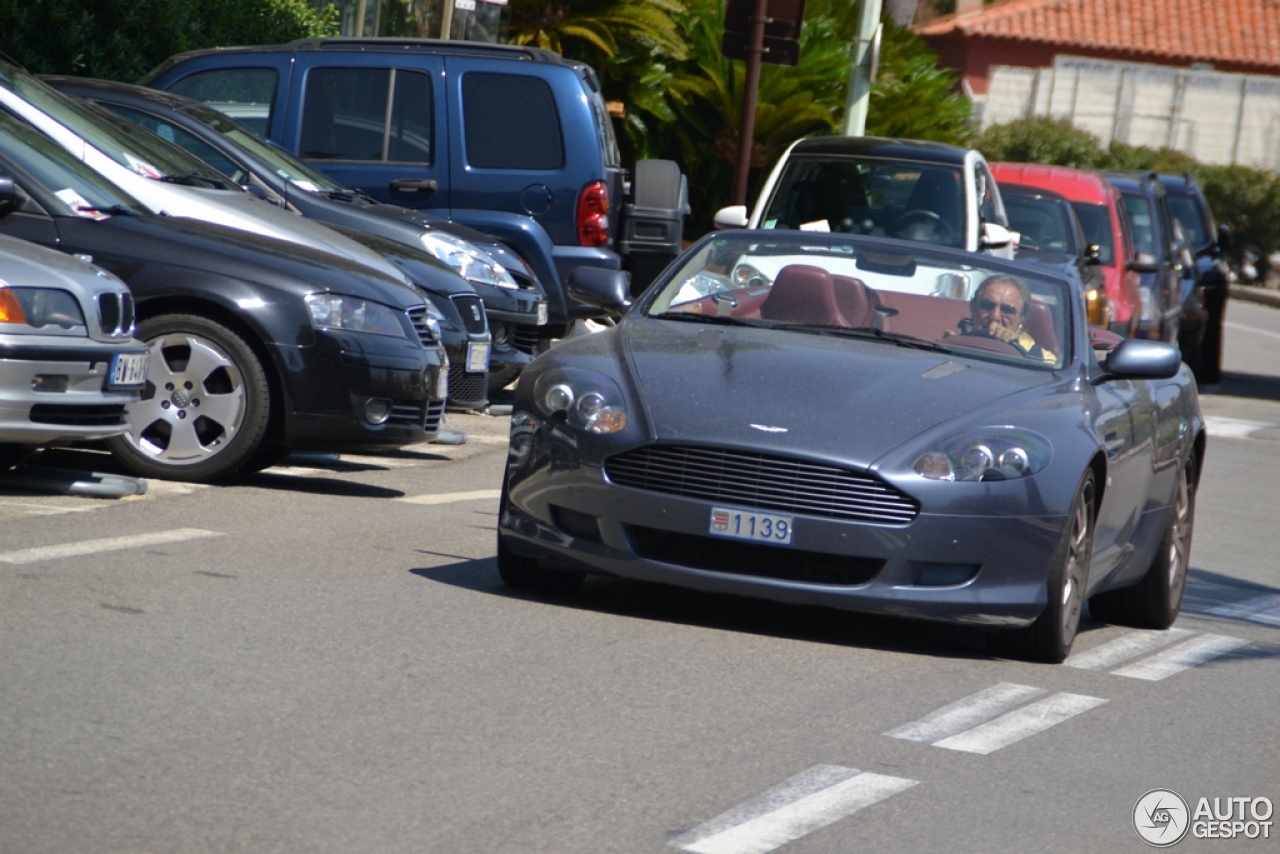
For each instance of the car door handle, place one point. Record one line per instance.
(414, 185)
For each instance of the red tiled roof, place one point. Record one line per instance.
(1237, 32)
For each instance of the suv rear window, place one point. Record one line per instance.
(511, 122)
(345, 115)
(245, 94)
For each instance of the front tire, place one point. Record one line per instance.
(526, 573)
(206, 406)
(1050, 637)
(1154, 602)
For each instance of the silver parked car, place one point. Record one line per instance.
(69, 363)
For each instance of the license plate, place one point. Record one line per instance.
(128, 369)
(542, 314)
(750, 525)
(478, 356)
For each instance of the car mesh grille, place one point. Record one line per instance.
(115, 314)
(418, 317)
(406, 413)
(467, 388)
(472, 311)
(759, 480)
(79, 415)
(435, 416)
(525, 339)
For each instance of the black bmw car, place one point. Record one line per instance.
(257, 346)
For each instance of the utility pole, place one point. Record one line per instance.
(866, 49)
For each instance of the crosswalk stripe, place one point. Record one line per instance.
(807, 802)
(1185, 655)
(1129, 646)
(451, 497)
(86, 547)
(964, 714)
(1020, 723)
(1232, 428)
(1260, 609)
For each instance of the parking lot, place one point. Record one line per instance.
(321, 657)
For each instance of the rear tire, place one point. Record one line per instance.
(1154, 602)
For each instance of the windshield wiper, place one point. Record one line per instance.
(194, 179)
(110, 210)
(723, 320)
(898, 338)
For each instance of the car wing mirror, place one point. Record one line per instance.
(1093, 254)
(1224, 238)
(995, 235)
(1144, 262)
(1135, 359)
(734, 216)
(8, 194)
(606, 289)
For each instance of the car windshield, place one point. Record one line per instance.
(1141, 223)
(923, 202)
(126, 143)
(818, 284)
(282, 162)
(83, 190)
(1042, 223)
(1096, 220)
(1192, 218)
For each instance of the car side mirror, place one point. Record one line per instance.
(1144, 262)
(995, 236)
(255, 191)
(734, 216)
(1135, 359)
(1093, 255)
(607, 289)
(1224, 238)
(8, 194)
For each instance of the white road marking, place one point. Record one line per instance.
(1020, 723)
(1255, 330)
(32, 509)
(969, 712)
(1129, 646)
(1232, 428)
(1186, 655)
(110, 544)
(811, 800)
(1262, 609)
(451, 497)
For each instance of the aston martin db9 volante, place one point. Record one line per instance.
(874, 426)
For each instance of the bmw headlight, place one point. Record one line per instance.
(38, 308)
(987, 453)
(352, 314)
(587, 400)
(466, 260)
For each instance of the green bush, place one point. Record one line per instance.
(124, 39)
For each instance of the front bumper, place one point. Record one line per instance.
(983, 570)
(86, 409)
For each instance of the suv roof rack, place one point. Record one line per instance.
(450, 46)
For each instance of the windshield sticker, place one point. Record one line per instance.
(143, 168)
(79, 204)
(306, 185)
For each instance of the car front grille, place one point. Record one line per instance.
(115, 314)
(472, 311)
(79, 415)
(406, 413)
(525, 339)
(467, 388)
(716, 554)
(746, 479)
(435, 416)
(418, 317)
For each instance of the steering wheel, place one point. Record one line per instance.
(941, 227)
(980, 341)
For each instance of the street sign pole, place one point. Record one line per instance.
(747, 125)
(859, 92)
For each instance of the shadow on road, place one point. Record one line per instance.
(1256, 386)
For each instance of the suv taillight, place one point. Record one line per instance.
(593, 215)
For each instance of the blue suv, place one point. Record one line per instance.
(513, 141)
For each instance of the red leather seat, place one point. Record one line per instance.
(858, 303)
(803, 294)
(1041, 327)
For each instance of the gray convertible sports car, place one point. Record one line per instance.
(864, 424)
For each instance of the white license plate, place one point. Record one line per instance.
(129, 369)
(478, 356)
(749, 525)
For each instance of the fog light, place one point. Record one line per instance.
(51, 382)
(377, 411)
(441, 389)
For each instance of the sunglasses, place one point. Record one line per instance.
(1005, 309)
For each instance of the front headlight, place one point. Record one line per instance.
(466, 260)
(352, 314)
(38, 308)
(987, 453)
(587, 400)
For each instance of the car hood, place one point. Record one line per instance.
(837, 397)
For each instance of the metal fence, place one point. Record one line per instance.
(1213, 116)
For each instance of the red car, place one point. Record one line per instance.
(1099, 207)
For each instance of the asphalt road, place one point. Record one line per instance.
(321, 658)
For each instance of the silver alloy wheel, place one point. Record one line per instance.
(1180, 536)
(1079, 551)
(194, 403)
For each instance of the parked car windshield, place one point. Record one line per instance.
(78, 186)
(1096, 220)
(822, 284)
(1188, 212)
(282, 162)
(923, 202)
(1141, 223)
(1042, 223)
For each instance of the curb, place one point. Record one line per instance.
(1265, 296)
